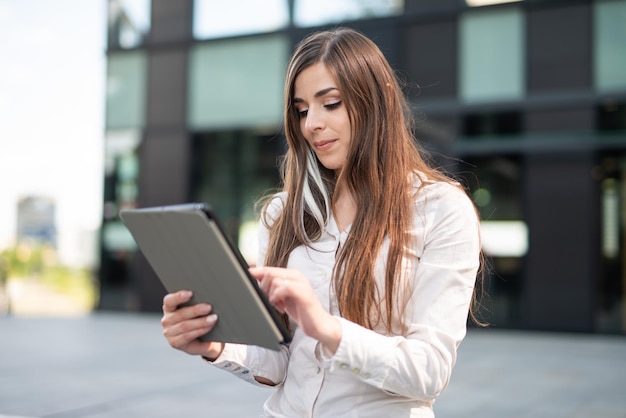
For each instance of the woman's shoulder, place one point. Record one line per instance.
(273, 206)
(277, 199)
(441, 195)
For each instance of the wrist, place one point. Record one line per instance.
(214, 351)
(331, 336)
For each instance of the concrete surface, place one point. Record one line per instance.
(106, 365)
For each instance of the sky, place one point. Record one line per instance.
(52, 78)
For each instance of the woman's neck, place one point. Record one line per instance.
(344, 209)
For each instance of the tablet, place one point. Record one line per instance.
(188, 250)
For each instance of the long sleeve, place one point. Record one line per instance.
(443, 270)
(247, 362)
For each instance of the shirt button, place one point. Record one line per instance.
(356, 370)
(343, 366)
(366, 375)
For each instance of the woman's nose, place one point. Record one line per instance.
(314, 121)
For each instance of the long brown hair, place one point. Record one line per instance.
(379, 174)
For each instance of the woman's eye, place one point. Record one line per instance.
(333, 106)
(302, 112)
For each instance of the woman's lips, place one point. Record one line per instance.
(324, 145)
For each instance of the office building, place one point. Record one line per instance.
(525, 101)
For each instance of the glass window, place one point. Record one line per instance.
(491, 55)
(611, 297)
(320, 12)
(237, 83)
(484, 125)
(121, 171)
(212, 19)
(495, 185)
(610, 44)
(126, 89)
(480, 3)
(120, 186)
(230, 170)
(128, 23)
(611, 116)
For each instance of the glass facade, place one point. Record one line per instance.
(611, 315)
(488, 90)
(321, 12)
(491, 60)
(214, 19)
(125, 120)
(117, 246)
(231, 169)
(610, 45)
(237, 83)
(126, 90)
(121, 166)
(495, 185)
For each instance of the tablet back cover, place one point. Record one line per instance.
(188, 251)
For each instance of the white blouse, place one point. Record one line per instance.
(374, 373)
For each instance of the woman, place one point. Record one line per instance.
(373, 255)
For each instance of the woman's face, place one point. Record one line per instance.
(324, 120)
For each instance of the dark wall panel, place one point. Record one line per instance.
(172, 21)
(165, 164)
(431, 59)
(559, 48)
(167, 88)
(560, 120)
(385, 34)
(561, 267)
(420, 7)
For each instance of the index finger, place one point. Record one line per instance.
(171, 301)
(258, 273)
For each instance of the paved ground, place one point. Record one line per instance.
(107, 365)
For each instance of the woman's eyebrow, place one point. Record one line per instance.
(318, 94)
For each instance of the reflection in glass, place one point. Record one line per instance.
(495, 184)
(611, 297)
(129, 22)
(237, 82)
(491, 48)
(126, 89)
(504, 238)
(231, 169)
(121, 171)
(213, 19)
(610, 44)
(480, 3)
(320, 12)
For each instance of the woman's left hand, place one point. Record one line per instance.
(290, 292)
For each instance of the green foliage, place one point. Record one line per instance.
(26, 259)
(77, 283)
(35, 261)
(4, 268)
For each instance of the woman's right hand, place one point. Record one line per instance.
(182, 326)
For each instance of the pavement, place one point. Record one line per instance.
(106, 365)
